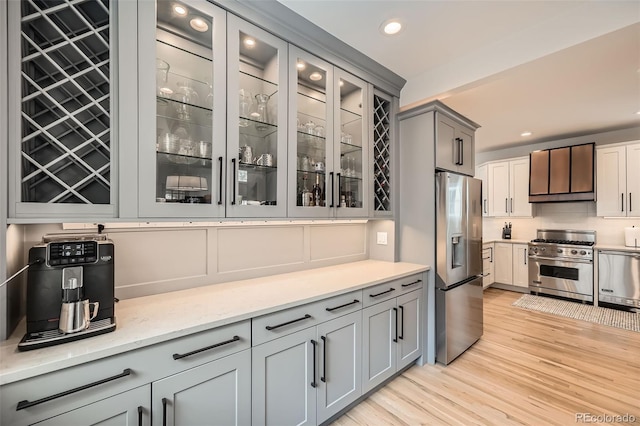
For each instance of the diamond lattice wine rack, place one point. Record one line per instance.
(65, 150)
(381, 153)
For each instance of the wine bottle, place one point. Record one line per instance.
(317, 192)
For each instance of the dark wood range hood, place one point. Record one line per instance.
(562, 174)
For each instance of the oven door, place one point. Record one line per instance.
(573, 279)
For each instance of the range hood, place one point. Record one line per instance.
(562, 174)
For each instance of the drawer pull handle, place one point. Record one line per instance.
(384, 292)
(343, 306)
(197, 351)
(273, 327)
(413, 283)
(26, 404)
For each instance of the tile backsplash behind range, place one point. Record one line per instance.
(579, 215)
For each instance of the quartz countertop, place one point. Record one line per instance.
(617, 248)
(500, 240)
(148, 320)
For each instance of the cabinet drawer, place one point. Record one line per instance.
(287, 321)
(394, 288)
(70, 388)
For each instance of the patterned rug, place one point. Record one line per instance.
(598, 315)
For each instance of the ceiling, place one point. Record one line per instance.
(556, 68)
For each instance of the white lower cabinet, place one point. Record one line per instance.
(511, 264)
(127, 408)
(391, 337)
(520, 265)
(306, 377)
(216, 393)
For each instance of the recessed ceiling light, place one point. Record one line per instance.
(199, 24)
(180, 10)
(249, 42)
(301, 65)
(391, 27)
(316, 76)
(525, 134)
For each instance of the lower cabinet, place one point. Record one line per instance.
(520, 265)
(216, 393)
(391, 337)
(307, 376)
(488, 269)
(511, 264)
(127, 408)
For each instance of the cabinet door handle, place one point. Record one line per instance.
(197, 351)
(314, 344)
(630, 208)
(511, 205)
(26, 404)
(395, 339)
(461, 151)
(525, 256)
(332, 192)
(413, 283)
(233, 190)
(384, 292)
(343, 306)
(506, 205)
(139, 416)
(323, 378)
(491, 251)
(273, 327)
(339, 175)
(401, 335)
(454, 148)
(485, 206)
(220, 160)
(164, 411)
(622, 202)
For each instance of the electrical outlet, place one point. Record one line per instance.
(382, 238)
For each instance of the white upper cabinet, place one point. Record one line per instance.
(618, 181)
(182, 66)
(508, 188)
(256, 121)
(482, 173)
(328, 140)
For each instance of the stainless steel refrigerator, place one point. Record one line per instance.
(458, 264)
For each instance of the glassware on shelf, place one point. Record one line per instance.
(208, 102)
(319, 131)
(186, 96)
(244, 107)
(162, 80)
(262, 111)
(310, 127)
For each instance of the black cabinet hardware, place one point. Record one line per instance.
(401, 335)
(220, 182)
(164, 411)
(506, 205)
(323, 378)
(622, 202)
(314, 344)
(343, 306)
(339, 187)
(197, 351)
(512, 205)
(273, 327)
(460, 152)
(26, 404)
(395, 311)
(525, 256)
(384, 292)
(410, 284)
(139, 416)
(630, 208)
(332, 191)
(485, 205)
(233, 190)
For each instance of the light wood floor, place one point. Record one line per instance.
(528, 368)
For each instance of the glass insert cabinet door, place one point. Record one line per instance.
(182, 109)
(312, 176)
(256, 121)
(352, 145)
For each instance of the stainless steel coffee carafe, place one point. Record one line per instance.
(75, 314)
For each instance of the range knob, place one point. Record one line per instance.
(559, 250)
(574, 251)
(543, 249)
(582, 252)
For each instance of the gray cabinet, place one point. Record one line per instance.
(391, 337)
(284, 380)
(127, 408)
(454, 145)
(340, 353)
(216, 393)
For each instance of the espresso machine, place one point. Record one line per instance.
(70, 289)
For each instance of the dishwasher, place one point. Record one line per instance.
(619, 278)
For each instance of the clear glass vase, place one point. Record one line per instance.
(262, 114)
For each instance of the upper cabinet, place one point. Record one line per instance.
(455, 147)
(61, 98)
(618, 183)
(508, 188)
(328, 140)
(482, 173)
(383, 128)
(182, 152)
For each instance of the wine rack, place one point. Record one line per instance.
(382, 154)
(65, 102)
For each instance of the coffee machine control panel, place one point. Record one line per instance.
(72, 253)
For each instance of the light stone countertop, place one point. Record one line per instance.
(500, 240)
(617, 248)
(145, 321)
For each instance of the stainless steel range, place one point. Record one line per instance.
(561, 263)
